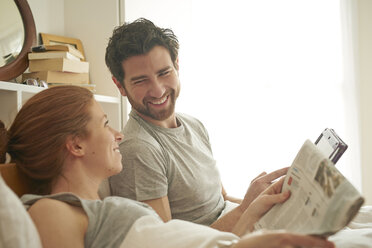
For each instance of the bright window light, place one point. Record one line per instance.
(263, 76)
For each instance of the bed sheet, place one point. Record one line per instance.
(358, 234)
(149, 231)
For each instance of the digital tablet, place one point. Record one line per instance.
(331, 144)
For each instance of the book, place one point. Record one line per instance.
(58, 64)
(61, 47)
(58, 77)
(322, 200)
(91, 87)
(52, 55)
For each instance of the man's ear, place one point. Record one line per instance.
(74, 146)
(120, 87)
(176, 64)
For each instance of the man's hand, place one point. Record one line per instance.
(263, 203)
(259, 184)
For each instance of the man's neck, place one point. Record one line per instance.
(170, 122)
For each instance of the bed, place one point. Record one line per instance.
(18, 230)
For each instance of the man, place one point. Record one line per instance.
(167, 157)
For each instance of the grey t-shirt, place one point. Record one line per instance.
(109, 219)
(173, 162)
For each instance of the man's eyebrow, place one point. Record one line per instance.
(137, 78)
(164, 69)
(144, 76)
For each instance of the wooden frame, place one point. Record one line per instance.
(51, 39)
(20, 64)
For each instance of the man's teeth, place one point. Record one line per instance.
(116, 150)
(161, 101)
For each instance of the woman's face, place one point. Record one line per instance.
(102, 155)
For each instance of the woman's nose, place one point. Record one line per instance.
(118, 135)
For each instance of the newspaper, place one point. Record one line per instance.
(322, 200)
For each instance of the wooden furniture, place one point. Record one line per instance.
(14, 179)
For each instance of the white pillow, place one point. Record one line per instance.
(16, 226)
(150, 231)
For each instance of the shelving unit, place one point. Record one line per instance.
(13, 95)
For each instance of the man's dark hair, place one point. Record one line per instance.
(137, 38)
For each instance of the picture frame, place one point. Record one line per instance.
(51, 39)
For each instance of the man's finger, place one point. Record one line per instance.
(277, 198)
(275, 175)
(261, 174)
(276, 187)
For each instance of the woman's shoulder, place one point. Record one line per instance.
(129, 203)
(53, 210)
(131, 208)
(54, 216)
(48, 203)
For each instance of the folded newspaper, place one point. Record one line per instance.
(322, 200)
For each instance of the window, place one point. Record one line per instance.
(263, 76)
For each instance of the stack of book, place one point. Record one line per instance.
(58, 65)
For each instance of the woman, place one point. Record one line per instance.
(62, 141)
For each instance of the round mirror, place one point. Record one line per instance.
(11, 32)
(17, 36)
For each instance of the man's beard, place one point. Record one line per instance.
(148, 111)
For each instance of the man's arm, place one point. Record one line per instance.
(258, 185)
(230, 198)
(225, 223)
(161, 207)
(228, 221)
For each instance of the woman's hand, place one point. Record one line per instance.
(263, 203)
(275, 239)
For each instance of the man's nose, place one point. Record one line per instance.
(157, 88)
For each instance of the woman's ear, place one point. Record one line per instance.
(74, 146)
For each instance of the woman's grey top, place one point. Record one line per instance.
(109, 219)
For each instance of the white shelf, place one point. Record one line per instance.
(108, 99)
(13, 95)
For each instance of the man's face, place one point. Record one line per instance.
(152, 84)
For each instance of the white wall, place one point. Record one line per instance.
(91, 21)
(48, 16)
(365, 77)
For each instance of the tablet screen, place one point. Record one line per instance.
(331, 144)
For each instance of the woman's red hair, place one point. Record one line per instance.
(37, 137)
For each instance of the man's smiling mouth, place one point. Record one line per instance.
(160, 101)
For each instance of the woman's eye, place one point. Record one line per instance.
(106, 123)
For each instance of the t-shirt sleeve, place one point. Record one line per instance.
(144, 175)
